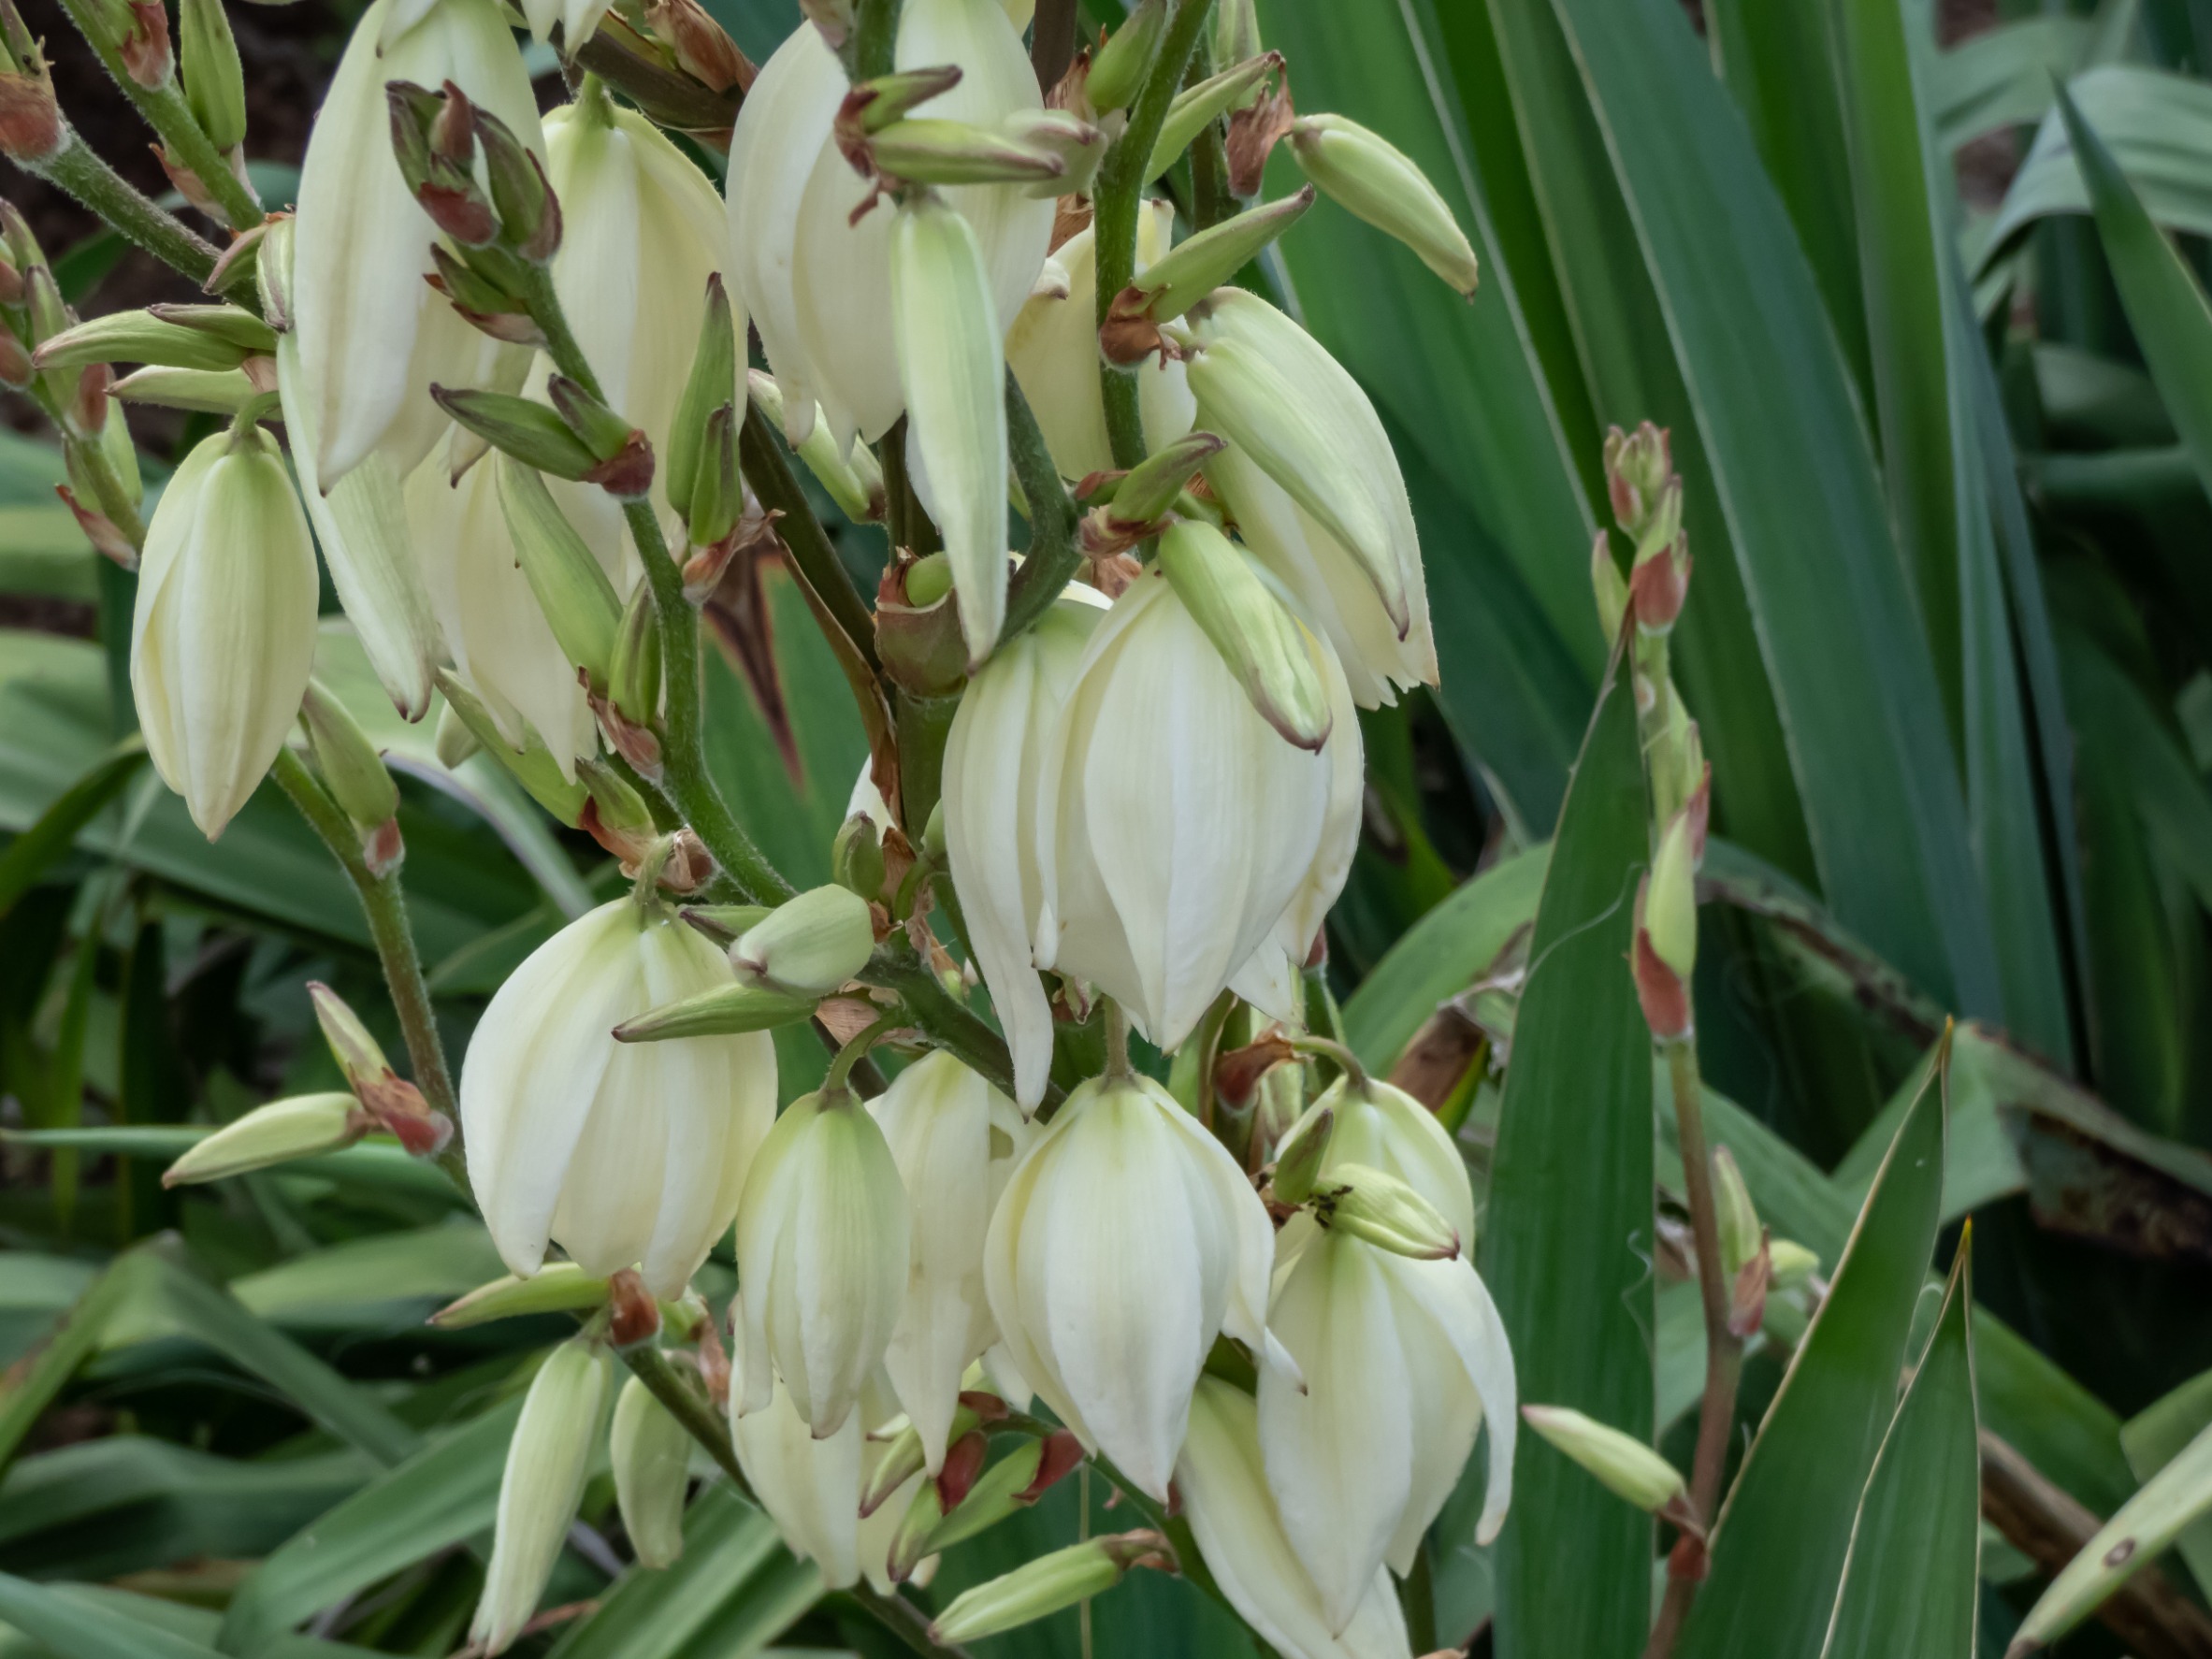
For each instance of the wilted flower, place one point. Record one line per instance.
(956, 1141)
(823, 1244)
(372, 335)
(1182, 845)
(995, 759)
(818, 283)
(1125, 1242)
(547, 1462)
(1053, 350)
(624, 1154)
(222, 637)
(1239, 1530)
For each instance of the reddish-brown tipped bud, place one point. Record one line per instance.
(1062, 1451)
(99, 529)
(451, 132)
(964, 1461)
(31, 130)
(16, 369)
(987, 1406)
(632, 1315)
(628, 473)
(1236, 1073)
(1659, 586)
(702, 46)
(1747, 1298)
(88, 405)
(147, 58)
(1662, 992)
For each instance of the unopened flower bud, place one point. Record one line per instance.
(1637, 467)
(1740, 1227)
(559, 1287)
(147, 56)
(1274, 656)
(714, 373)
(1079, 146)
(202, 390)
(1660, 581)
(718, 497)
(702, 46)
(1042, 1587)
(726, 1010)
(651, 1452)
(547, 1462)
(1622, 1464)
(453, 742)
(874, 105)
(1016, 1483)
(624, 454)
(1120, 65)
(214, 84)
(1154, 484)
(953, 369)
(854, 482)
(1372, 1204)
(1790, 1263)
(1298, 1159)
(856, 856)
(1364, 173)
(1670, 903)
(901, 1461)
(533, 765)
(140, 337)
(16, 369)
(275, 1134)
(1196, 108)
(1609, 587)
(530, 213)
(1235, 32)
(564, 576)
(352, 769)
(927, 150)
(519, 426)
(31, 125)
(809, 945)
(910, 1542)
(1191, 271)
(633, 674)
(617, 815)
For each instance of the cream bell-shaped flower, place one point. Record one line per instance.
(1328, 584)
(372, 333)
(824, 1239)
(222, 635)
(624, 1154)
(496, 636)
(1182, 845)
(956, 1140)
(642, 231)
(1271, 389)
(1223, 1485)
(1126, 1241)
(1404, 1362)
(995, 759)
(1053, 351)
(811, 1488)
(818, 284)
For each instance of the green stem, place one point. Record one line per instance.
(869, 49)
(666, 96)
(924, 723)
(691, 1408)
(903, 1620)
(1211, 200)
(761, 454)
(384, 903)
(950, 1025)
(1117, 201)
(164, 110)
(1054, 554)
(82, 174)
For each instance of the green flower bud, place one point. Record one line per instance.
(1155, 484)
(528, 430)
(1740, 1226)
(559, 1287)
(856, 856)
(136, 337)
(1272, 655)
(275, 1134)
(725, 1011)
(1190, 272)
(352, 769)
(620, 812)
(566, 578)
(711, 385)
(875, 105)
(1196, 108)
(652, 1457)
(1044, 1586)
(1376, 1206)
(1610, 587)
(633, 672)
(910, 1541)
(855, 485)
(208, 63)
(1298, 1160)
(808, 945)
(1374, 180)
(203, 391)
(546, 1465)
(454, 741)
(926, 150)
(723, 923)
(226, 323)
(1790, 1263)
(717, 498)
(623, 454)
(1120, 66)
(1670, 901)
(1623, 1464)
(1235, 32)
(1014, 1483)
(1079, 146)
(534, 767)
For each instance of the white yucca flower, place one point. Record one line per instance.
(1053, 350)
(1126, 1241)
(819, 286)
(994, 761)
(496, 636)
(624, 1154)
(1239, 1531)
(372, 335)
(222, 635)
(956, 1141)
(823, 1244)
(1182, 845)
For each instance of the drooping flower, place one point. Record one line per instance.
(626, 1155)
(1125, 1242)
(823, 1245)
(1182, 845)
(816, 283)
(955, 1140)
(1223, 1484)
(372, 335)
(994, 762)
(223, 636)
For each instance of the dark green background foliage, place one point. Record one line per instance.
(1938, 371)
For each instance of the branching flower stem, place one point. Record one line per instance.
(172, 120)
(1116, 201)
(77, 171)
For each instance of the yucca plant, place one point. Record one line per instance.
(1675, 939)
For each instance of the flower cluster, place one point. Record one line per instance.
(1122, 772)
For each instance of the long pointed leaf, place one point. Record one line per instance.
(86, 1630)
